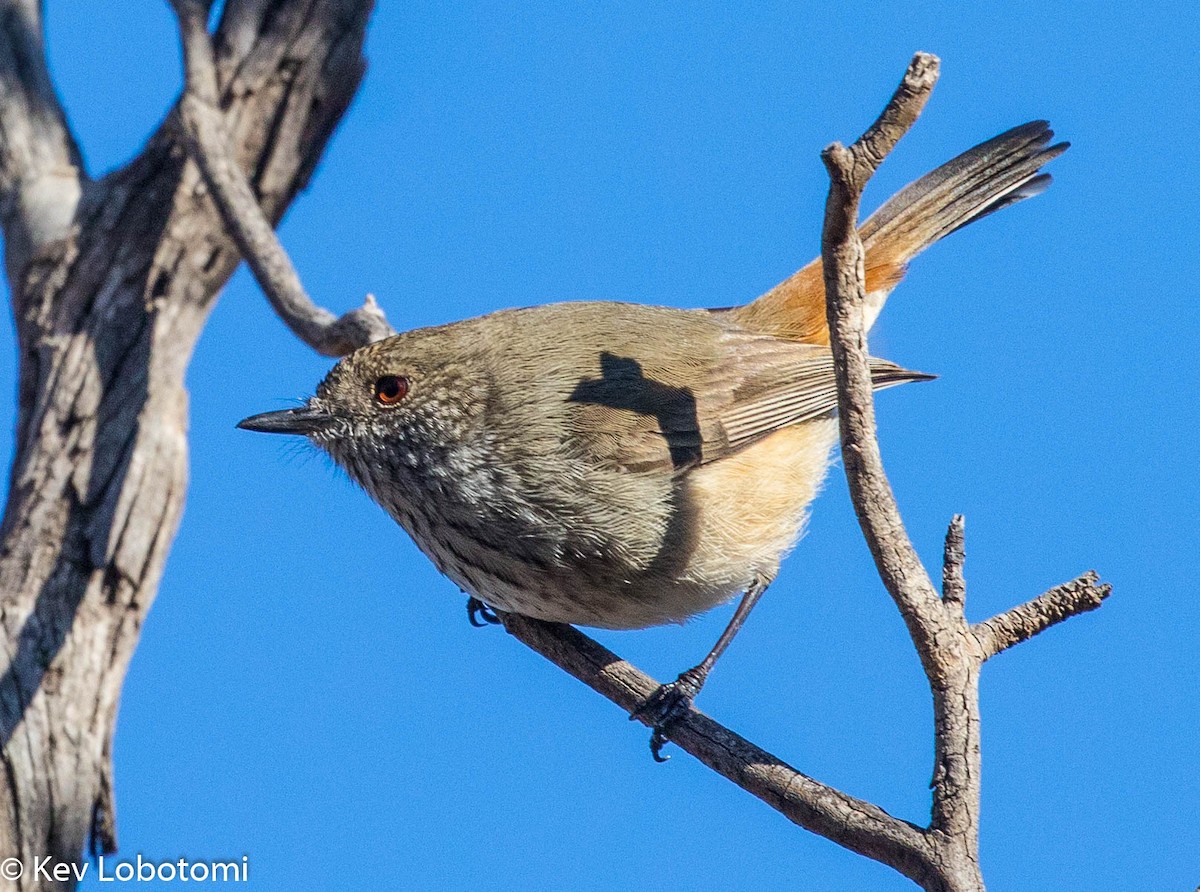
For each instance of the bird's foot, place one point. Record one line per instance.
(667, 705)
(480, 614)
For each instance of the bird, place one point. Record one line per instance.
(621, 465)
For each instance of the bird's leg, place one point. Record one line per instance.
(672, 701)
(480, 614)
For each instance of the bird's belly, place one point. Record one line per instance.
(748, 511)
(754, 504)
(732, 520)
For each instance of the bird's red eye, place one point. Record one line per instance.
(390, 389)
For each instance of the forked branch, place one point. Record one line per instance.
(951, 651)
(842, 255)
(112, 282)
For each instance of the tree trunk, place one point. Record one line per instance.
(108, 309)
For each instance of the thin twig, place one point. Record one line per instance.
(207, 140)
(954, 584)
(1049, 608)
(842, 252)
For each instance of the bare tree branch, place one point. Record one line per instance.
(1049, 608)
(947, 650)
(853, 823)
(951, 652)
(208, 143)
(40, 167)
(842, 252)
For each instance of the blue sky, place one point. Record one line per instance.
(307, 690)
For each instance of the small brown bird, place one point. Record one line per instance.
(619, 465)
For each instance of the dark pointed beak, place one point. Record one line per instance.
(304, 420)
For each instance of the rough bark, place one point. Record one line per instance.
(111, 284)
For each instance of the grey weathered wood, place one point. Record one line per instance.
(951, 651)
(41, 176)
(112, 282)
(1022, 622)
(209, 145)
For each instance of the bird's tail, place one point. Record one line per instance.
(980, 181)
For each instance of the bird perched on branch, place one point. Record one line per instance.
(620, 465)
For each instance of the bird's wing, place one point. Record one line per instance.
(793, 391)
(643, 415)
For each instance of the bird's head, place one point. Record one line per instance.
(390, 406)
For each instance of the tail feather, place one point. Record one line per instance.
(1031, 187)
(978, 182)
(991, 176)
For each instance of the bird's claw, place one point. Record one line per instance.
(480, 614)
(665, 707)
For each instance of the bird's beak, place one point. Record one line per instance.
(304, 420)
